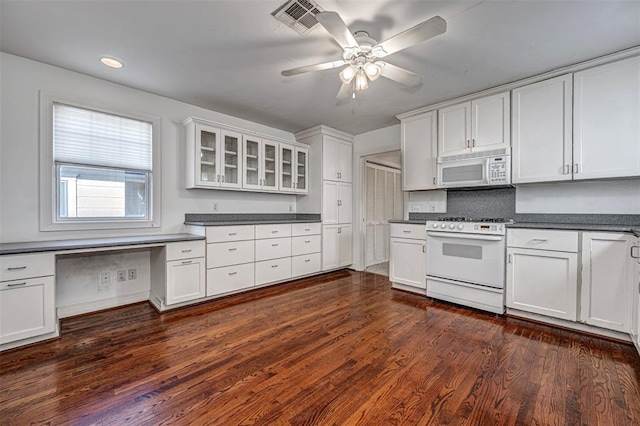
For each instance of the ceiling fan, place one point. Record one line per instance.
(362, 54)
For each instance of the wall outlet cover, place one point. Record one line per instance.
(133, 273)
(122, 275)
(105, 277)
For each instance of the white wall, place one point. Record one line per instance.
(22, 79)
(377, 141)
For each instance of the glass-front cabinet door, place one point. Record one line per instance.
(287, 169)
(302, 166)
(231, 153)
(270, 165)
(252, 163)
(207, 149)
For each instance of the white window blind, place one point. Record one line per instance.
(82, 136)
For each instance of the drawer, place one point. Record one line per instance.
(405, 230)
(306, 264)
(273, 248)
(19, 266)
(305, 245)
(185, 250)
(227, 254)
(230, 278)
(543, 239)
(298, 229)
(278, 230)
(219, 234)
(273, 270)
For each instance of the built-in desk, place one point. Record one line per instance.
(28, 276)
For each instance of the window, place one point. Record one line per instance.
(101, 166)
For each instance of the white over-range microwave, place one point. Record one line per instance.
(461, 171)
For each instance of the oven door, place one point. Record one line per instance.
(464, 173)
(471, 258)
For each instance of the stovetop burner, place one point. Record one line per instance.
(475, 219)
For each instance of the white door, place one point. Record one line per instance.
(606, 117)
(419, 151)
(344, 203)
(407, 262)
(330, 202)
(287, 171)
(252, 163)
(270, 165)
(330, 259)
(490, 123)
(345, 245)
(207, 154)
(344, 162)
(607, 280)
(542, 131)
(454, 129)
(330, 158)
(185, 280)
(543, 282)
(231, 156)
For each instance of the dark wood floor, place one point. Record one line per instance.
(338, 349)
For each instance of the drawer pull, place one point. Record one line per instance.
(232, 273)
(637, 256)
(407, 232)
(186, 262)
(274, 266)
(274, 232)
(233, 249)
(17, 284)
(307, 242)
(540, 240)
(307, 229)
(231, 234)
(187, 251)
(274, 245)
(307, 260)
(16, 268)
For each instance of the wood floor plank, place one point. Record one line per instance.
(341, 348)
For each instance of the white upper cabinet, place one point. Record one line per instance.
(479, 125)
(231, 158)
(294, 167)
(606, 130)
(541, 119)
(203, 151)
(260, 164)
(419, 152)
(336, 159)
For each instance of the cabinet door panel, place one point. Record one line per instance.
(207, 156)
(287, 171)
(345, 244)
(344, 198)
(230, 278)
(330, 199)
(302, 170)
(231, 156)
(606, 116)
(407, 262)
(273, 270)
(542, 131)
(329, 158)
(344, 162)
(454, 129)
(185, 280)
(490, 123)
(270, 166)
(543, 282)
(27, 308)
(329, 247)
(607, 276)
(252, 163)
(419, 152)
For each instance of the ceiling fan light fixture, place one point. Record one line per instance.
(347, 74)
(362, 82)
(378, 51)
(373, 70)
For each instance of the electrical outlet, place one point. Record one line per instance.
(415, 208)
(133, 274)
(290, 207)
(122, 275)
(214, 206)
(105, 278)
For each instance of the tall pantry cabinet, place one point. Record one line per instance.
(330, 192)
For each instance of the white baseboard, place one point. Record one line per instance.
(100, 304)
(412, 289)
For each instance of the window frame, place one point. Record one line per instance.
(49, 183)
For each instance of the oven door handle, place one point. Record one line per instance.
(465, 236)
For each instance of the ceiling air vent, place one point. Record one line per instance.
(299, 15)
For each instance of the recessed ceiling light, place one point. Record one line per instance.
(111, 62)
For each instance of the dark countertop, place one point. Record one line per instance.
(410, 222)
(578, 227)
(251, 222)
(91, 243)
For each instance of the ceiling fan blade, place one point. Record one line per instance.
(399, 75)
(344, 94)
(316, 67)
(421, 32)
(333, 23)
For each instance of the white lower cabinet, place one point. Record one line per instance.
(185, 280)
(407, 258)
(607, 280)
(27, 308)
(635, 260)
(273, 270)
(230, 278)
(306, 264)
(336, 250)
(541, 278)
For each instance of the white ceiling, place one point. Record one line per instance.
(227, 55)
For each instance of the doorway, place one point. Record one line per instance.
(383, 201)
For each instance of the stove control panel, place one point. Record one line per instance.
(466, 227)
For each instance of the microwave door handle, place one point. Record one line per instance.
(487, 170)
(465, 236)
